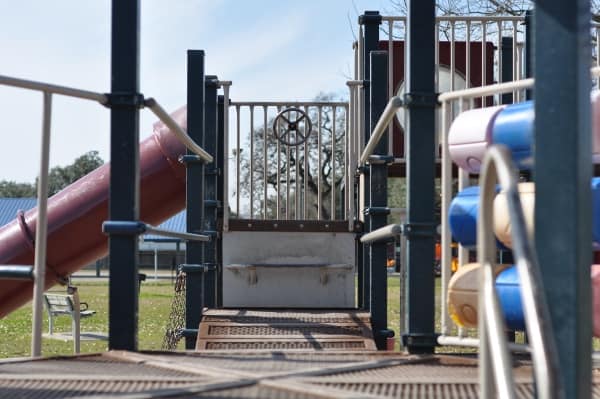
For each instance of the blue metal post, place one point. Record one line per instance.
(220, 182)
(420, 99)
(378, 211)
(211, 204)
(125, 173)
(562, 175)
(195, 194)
(370, 21)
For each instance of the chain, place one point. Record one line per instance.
(177, 316)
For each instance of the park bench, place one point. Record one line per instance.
(68, 304)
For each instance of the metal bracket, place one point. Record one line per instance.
(418, 99)
(123, 227)
(212, 203)
(189, 332)
(124, 100)
(381, 159)
(420, 341)
(192, 158)
(419, 229)
(376, 210)
(370, 17)
(201, 268)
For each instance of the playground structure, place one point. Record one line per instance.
(292, 242)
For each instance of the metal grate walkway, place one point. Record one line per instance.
(228, 329)
(253, 374)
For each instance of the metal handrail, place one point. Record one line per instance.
(493, 352)
(39, 270)
(54, 89)
(382, 233)
(177, 130)
(380, 128)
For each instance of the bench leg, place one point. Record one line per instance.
(76, 331)
(50, 323)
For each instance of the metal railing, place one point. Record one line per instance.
(275, 181)
(464, 98)
(39, 270)
(495, 364)
(472, 32)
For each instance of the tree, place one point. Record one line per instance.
(295, 170)
(58, 177)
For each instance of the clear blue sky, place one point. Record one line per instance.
(270, 49)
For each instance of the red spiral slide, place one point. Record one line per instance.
(76, 213)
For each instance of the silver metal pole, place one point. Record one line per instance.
(226, 157)
(41, 230)
(237, 160)
(333, 191)
(251, 158)
(319, 160)
(265, 162)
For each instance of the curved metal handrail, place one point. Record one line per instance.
(497, 166)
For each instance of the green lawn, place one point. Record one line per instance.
(155, 305)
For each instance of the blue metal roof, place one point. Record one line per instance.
(10, 206)
(176, 223)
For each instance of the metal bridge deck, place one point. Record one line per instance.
(252, 374)
(243, 329)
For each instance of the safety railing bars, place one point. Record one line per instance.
(380, 128)
(128, 227)
(16, 272)
(39, 269)
(497, 167)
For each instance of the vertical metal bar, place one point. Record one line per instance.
(238, 160)
(333, 156)
(562, 83)
(391, 81)
(225, 154)
(378, 199)
(468, 55)
(346, 166)
(39, 271)
(125, 176)
(506, 75)
(278, 183)
(499, 51)
(265, 162)
(306, 166)
(288, 165)
(209, 143)
(515, 65)
(251, 158)
(420, 178)
(437, 58)
(222, 143)
(528, 56)
(483, 59)
(297, 176)
(194, 293)
(446, 237)
(319, 164)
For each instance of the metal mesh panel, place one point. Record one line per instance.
(88, 366)
(49, 389)
(289, 320)
(254, 330)
(257, 392)
(280, 345)
(391, 390)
